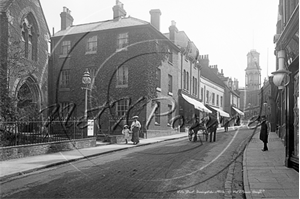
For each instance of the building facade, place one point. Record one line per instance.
(189, 77)
(286, 40)
(25, 37)
(133, 67)
(212, 89)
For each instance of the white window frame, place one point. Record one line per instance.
(64, 79)
(65, 47)
(91, 45)
(122, 76)
(122, 41)
(122, 107)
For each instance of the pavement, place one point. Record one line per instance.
(265, 174)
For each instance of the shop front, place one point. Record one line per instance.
(286, 78)
(189, 107)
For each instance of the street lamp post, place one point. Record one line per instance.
(281, 73)
(86, 80)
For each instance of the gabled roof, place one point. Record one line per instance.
(4, 4)
(110, 24)
(209, 74)
(101, 25)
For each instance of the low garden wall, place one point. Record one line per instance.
(21, 151)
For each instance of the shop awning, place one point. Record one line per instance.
(198, 105)
(237, 110)
(222, 113)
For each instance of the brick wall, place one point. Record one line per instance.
(14, 152)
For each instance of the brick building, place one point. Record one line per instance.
(131, 63)
(24, 36)
(189, 75)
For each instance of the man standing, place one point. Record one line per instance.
(212, 125)
(263, 136)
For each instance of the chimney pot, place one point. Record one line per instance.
(173, 23)
(118, 10)
(66, 18)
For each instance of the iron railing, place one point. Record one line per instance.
(14, 133)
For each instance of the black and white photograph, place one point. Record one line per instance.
(149, 99)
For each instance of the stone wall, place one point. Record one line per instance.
(14, 152)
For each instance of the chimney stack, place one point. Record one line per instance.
(155, 18)
(173, 31)
(118, 10)
(66, 18)
(204, 60)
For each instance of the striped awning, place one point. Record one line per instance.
(222, 113)
(198, 105)
(238, 111)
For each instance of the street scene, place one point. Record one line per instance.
(167, 99)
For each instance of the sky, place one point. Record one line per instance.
(226, 30)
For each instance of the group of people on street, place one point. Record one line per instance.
(209, 122)
(133, 131)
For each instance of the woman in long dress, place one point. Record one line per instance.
(135, 128)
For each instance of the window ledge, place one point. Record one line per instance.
(169, 93)
(91, 52)
(64, 56)
(158, 89)
(122, 49)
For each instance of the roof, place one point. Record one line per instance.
(184, 42)
(4, 4)
(101, 25)
(209, 74)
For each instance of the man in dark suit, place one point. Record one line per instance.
(264, 133)
(212, 125)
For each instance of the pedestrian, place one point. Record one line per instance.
(212, 125)
(263, 136)
(226, 124)
(126, 132)
(135, 128)
(238, 120)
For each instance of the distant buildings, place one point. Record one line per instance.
(249, 94)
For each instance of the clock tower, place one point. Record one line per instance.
(253, 74)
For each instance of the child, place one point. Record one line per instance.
(126, 133)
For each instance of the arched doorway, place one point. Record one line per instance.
(28, 99)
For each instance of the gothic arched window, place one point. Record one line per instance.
(29, 30)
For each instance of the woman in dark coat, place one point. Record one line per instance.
(263, 136)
